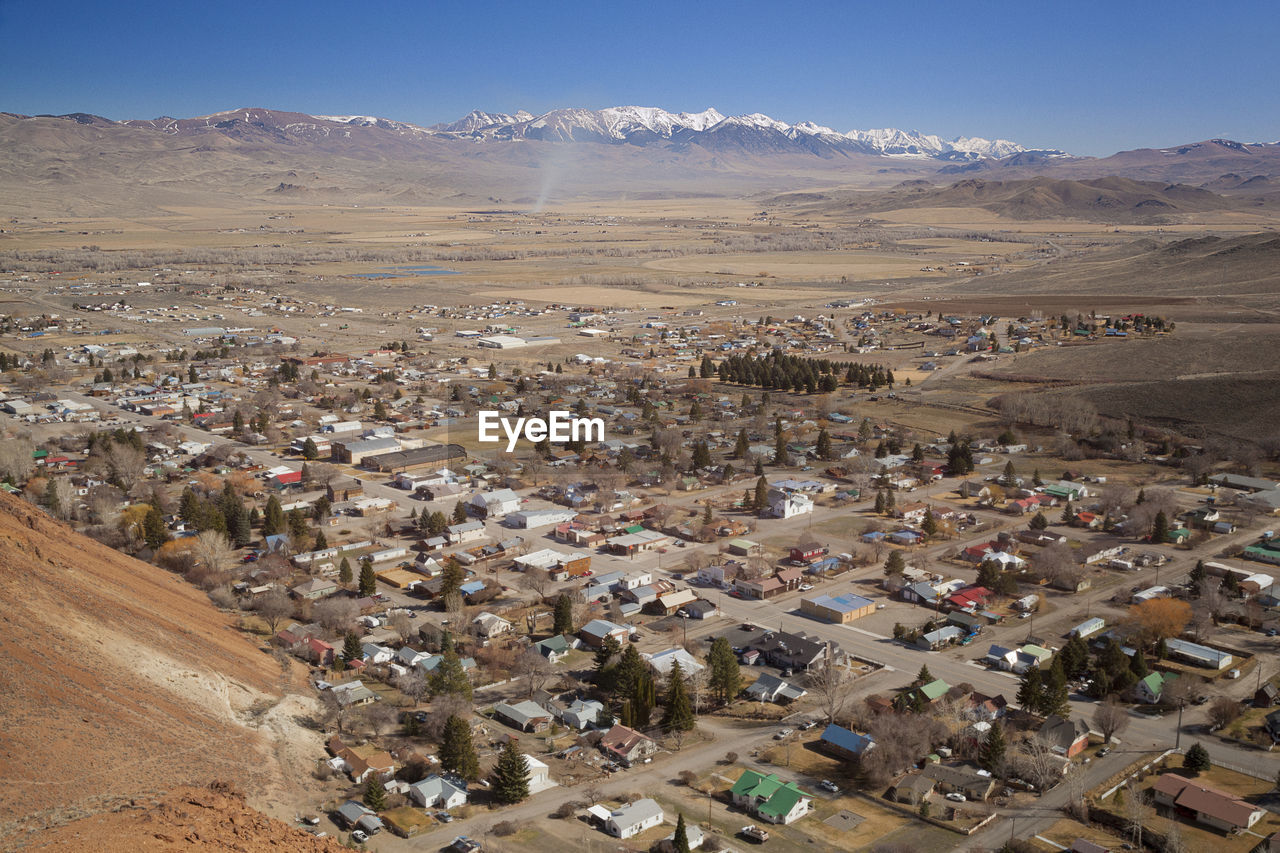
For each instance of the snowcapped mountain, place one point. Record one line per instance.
(756, 131)
(710, 129)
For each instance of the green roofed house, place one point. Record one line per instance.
(1266, 551)
(935, 690)
(769, 798)
(1150, 688)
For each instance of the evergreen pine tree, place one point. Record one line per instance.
(895, 565)
(743, 445)
(924, 676)
(724, 676)
(1160, 528)
(273, 520)
(459, 512)
(351, 649)
(1038, 521)
(680, 841)
(563, 621)
(154, 530)
(678, 713)
(457, 752)
(321, 542)
(991, 755)
(1197, 759)
(344, 571)
(1030, 689)
(375, 795)
(823, 447)
(762, 494)
(368, 580)
(449, 678)
(509, 781)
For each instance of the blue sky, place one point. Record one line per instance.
(1089, 77)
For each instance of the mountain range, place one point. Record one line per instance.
(86, 165)
(618, 125)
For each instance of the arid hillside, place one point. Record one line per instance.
(120, 681)
(213, 818)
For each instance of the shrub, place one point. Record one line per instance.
(505, 828)
(687, 778)
(568, 809)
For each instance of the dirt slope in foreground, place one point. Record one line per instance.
(120, 680)
(212, 818)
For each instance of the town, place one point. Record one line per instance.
(792, 591)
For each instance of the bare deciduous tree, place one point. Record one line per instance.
(534, 669)
(1110, 718)
(413, 685)
(336, 614)
(402, 624)
(274, 607)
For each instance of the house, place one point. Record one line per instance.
(770, 688)
(594, 632)
(315, 588)
(1272, 725)
(496, 504)
(1030, 655)
(439, 792)
(663, 661)
(783, 504)
(1088, 627)
(374, 653)
(791, 651)
(490, 625)
(632, 819)
(839, 609)
(1001, 658)
(843, 743)
(581, 714)
(927, 694)
(692, 834)
(1266, 696)
(769, 798)
(355, 815)
(1206, 805)
(1198, 655)
(1150, 688)
(760, 588)
(1063, 736)
(556, 648)
(360, 762)
(960, 779)
(945, 635)
(539, 775)
(467, 531)
(526, 716)
(626, 744)
(912, 788)
(353, 694)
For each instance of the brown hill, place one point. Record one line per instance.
(212, 818)
(1110, 199)
(1202, 267)
(120, 680)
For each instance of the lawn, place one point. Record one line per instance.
(1068, 830)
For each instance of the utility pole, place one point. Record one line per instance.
(1177, 741)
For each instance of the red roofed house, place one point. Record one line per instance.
(1204, 804)
(319, 652)
(626, 744)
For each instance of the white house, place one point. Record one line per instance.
(496, 504)
(633, 818)
(374, 653)
(582, 713)
(539, 775)
(440, 792)
(788, 504)
(490, 625)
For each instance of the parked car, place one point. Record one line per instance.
(829, 786)
(956, 797)
(805, 587)
(359, 836)
(755, 833)
(783, 733)
(1106, 750)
